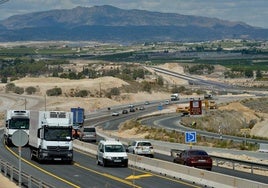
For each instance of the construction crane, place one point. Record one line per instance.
(3, 1)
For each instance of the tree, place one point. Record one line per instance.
(10, 87)
(115, 91)
(4, 79)
(19, 90)
(249, 73)
(146, 86)
(160, 81)
(54, 92)
(259, 74)
(30, 90)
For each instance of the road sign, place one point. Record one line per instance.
(19, 138)
(190, 137)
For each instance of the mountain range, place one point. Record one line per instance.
(111, 24)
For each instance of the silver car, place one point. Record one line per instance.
(141, 147)
(88, 134)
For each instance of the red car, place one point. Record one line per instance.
(195, 158)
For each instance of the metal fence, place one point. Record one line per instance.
(27, 180)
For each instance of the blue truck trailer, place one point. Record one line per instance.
(78, 121)
(78, 116)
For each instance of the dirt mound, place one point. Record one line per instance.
(93, 85)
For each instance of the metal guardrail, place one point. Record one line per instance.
(26, 180)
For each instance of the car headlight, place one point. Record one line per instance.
(108, 157)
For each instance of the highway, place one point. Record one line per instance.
(85, 173)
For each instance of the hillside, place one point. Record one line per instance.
(91, 103)
(111, 24)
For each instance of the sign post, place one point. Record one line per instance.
(20, 138)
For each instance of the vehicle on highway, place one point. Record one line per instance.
(78, 116)
(146, 102)
(194, 157)
(175, 97)
(88, 134)
(16, 120)
(167, 102)
(132, 110)
(141, 147)
(125, 111)
(50, 136)
(141, 108)
(111, 152)
(131, 106)
(115, 114)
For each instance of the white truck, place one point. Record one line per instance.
(51, 136)
(175, 97)
(16, 120)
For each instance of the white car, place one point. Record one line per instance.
(115, 114)
(141, 147)
(111, 152)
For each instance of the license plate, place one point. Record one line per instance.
(117, 161)
(202, 161)
(57, 159)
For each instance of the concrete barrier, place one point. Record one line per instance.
(189, 174)
(263, 148)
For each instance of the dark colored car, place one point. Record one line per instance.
(132, 110)
(124, 111)
(195, 158)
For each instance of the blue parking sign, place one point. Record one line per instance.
(190, 137)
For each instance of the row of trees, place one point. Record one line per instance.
(247, 73)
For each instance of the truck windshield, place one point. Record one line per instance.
(19, 123)
(58, 134)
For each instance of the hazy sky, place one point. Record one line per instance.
(252, 12)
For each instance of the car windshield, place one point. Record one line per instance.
(114, 148)
(197, 152)
(89, 129)
(144, 144)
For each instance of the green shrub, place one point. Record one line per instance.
(4, 80)
(30, 90)
(54, 92)
(115, 91)
(10, 87)
(18, 90)
(82, 93)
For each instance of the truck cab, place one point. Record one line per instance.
(16, 120)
